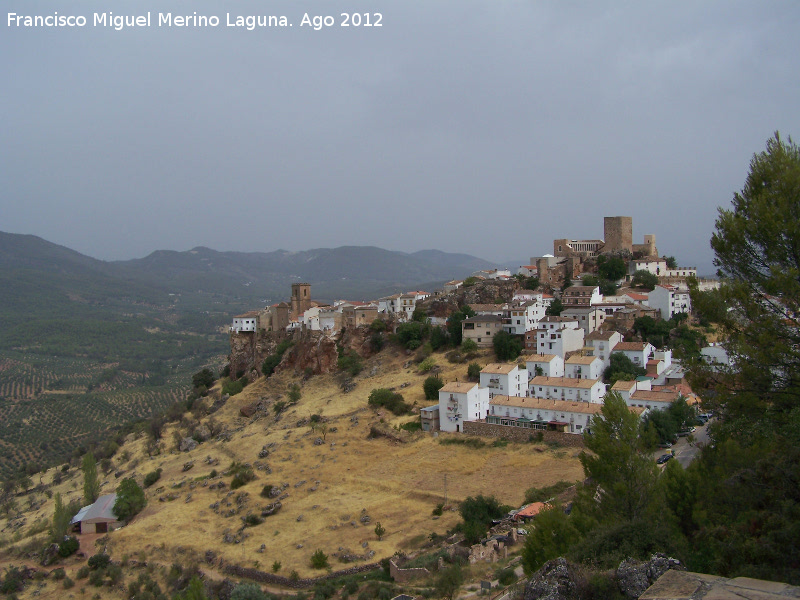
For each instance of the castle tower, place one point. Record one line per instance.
(301, 298)
(618, 233)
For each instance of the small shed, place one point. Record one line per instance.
(98, 517)
(530, 511)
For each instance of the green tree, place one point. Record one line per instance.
(613, 268)
(130, 499)
(454, 323)
(555, 308)
(203, 378)
(194, 591)
(380, 530)
(619, 464)
(431, 387)
(448, 582)
(531, 283)
(621, 368)
(91, 482)
(507, 347)
(477, 513)
(644, 279)
(671, 262)
(61, 519)
(552, 536)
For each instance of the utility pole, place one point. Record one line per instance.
(445, 489)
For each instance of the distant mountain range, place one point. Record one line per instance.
(38, 275)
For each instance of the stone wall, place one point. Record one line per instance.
(518, 434)
(272, 578)
(404, 575)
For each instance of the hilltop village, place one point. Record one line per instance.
(567, 328)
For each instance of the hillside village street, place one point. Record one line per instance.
(685, 452)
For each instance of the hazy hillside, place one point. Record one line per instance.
(123, 337)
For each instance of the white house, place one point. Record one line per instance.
(670, 300)
(527, 296)
(493, 273)
(557, 335)
(681, 272)
(246, 322)
(589, 318)
(637, 298)
(550, 365)
(581, 295)
(528, 270)
(566, 388)
(310, 318)
(715, 354)
(542, 414)
(504, 378)
(638, 352)
(602, 343)
(459, 402)
(583, 367)
(98, 517)
(517, 319)
(656, 266)
(481, 329)
(626, 388)
(452, 286)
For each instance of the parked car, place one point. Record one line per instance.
(663, 458)
(665, 445)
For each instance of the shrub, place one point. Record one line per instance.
(233, 387)
(426, 365)
(58, 574)
(437, 512)
(68, 547)
(68, 583)
(294, 393)
(241, 475)
(266, 491)
(392, 401)
(276, 566)
(83, 572)
(411, 426)
(248, 591)
(431, 387)
(152, 477)
(469, 346)
(319, 560)
(252, 520)
(506, 576)
(12, 582)
(98, 561)
(474, 371)
(270, 363)
(350, 362)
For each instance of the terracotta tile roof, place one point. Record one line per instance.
(581, 360)
(654, 396)
(565, 382)
(623, 385)
(630, 346)
(546, 404)
(540, 357)
(458, 387)
(500, 368)
(600, 335)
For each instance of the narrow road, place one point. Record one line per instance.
(685, 452)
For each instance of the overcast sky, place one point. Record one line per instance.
(488, 128)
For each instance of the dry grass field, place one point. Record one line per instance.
(330, 486)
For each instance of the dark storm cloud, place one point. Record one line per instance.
(480, 127)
